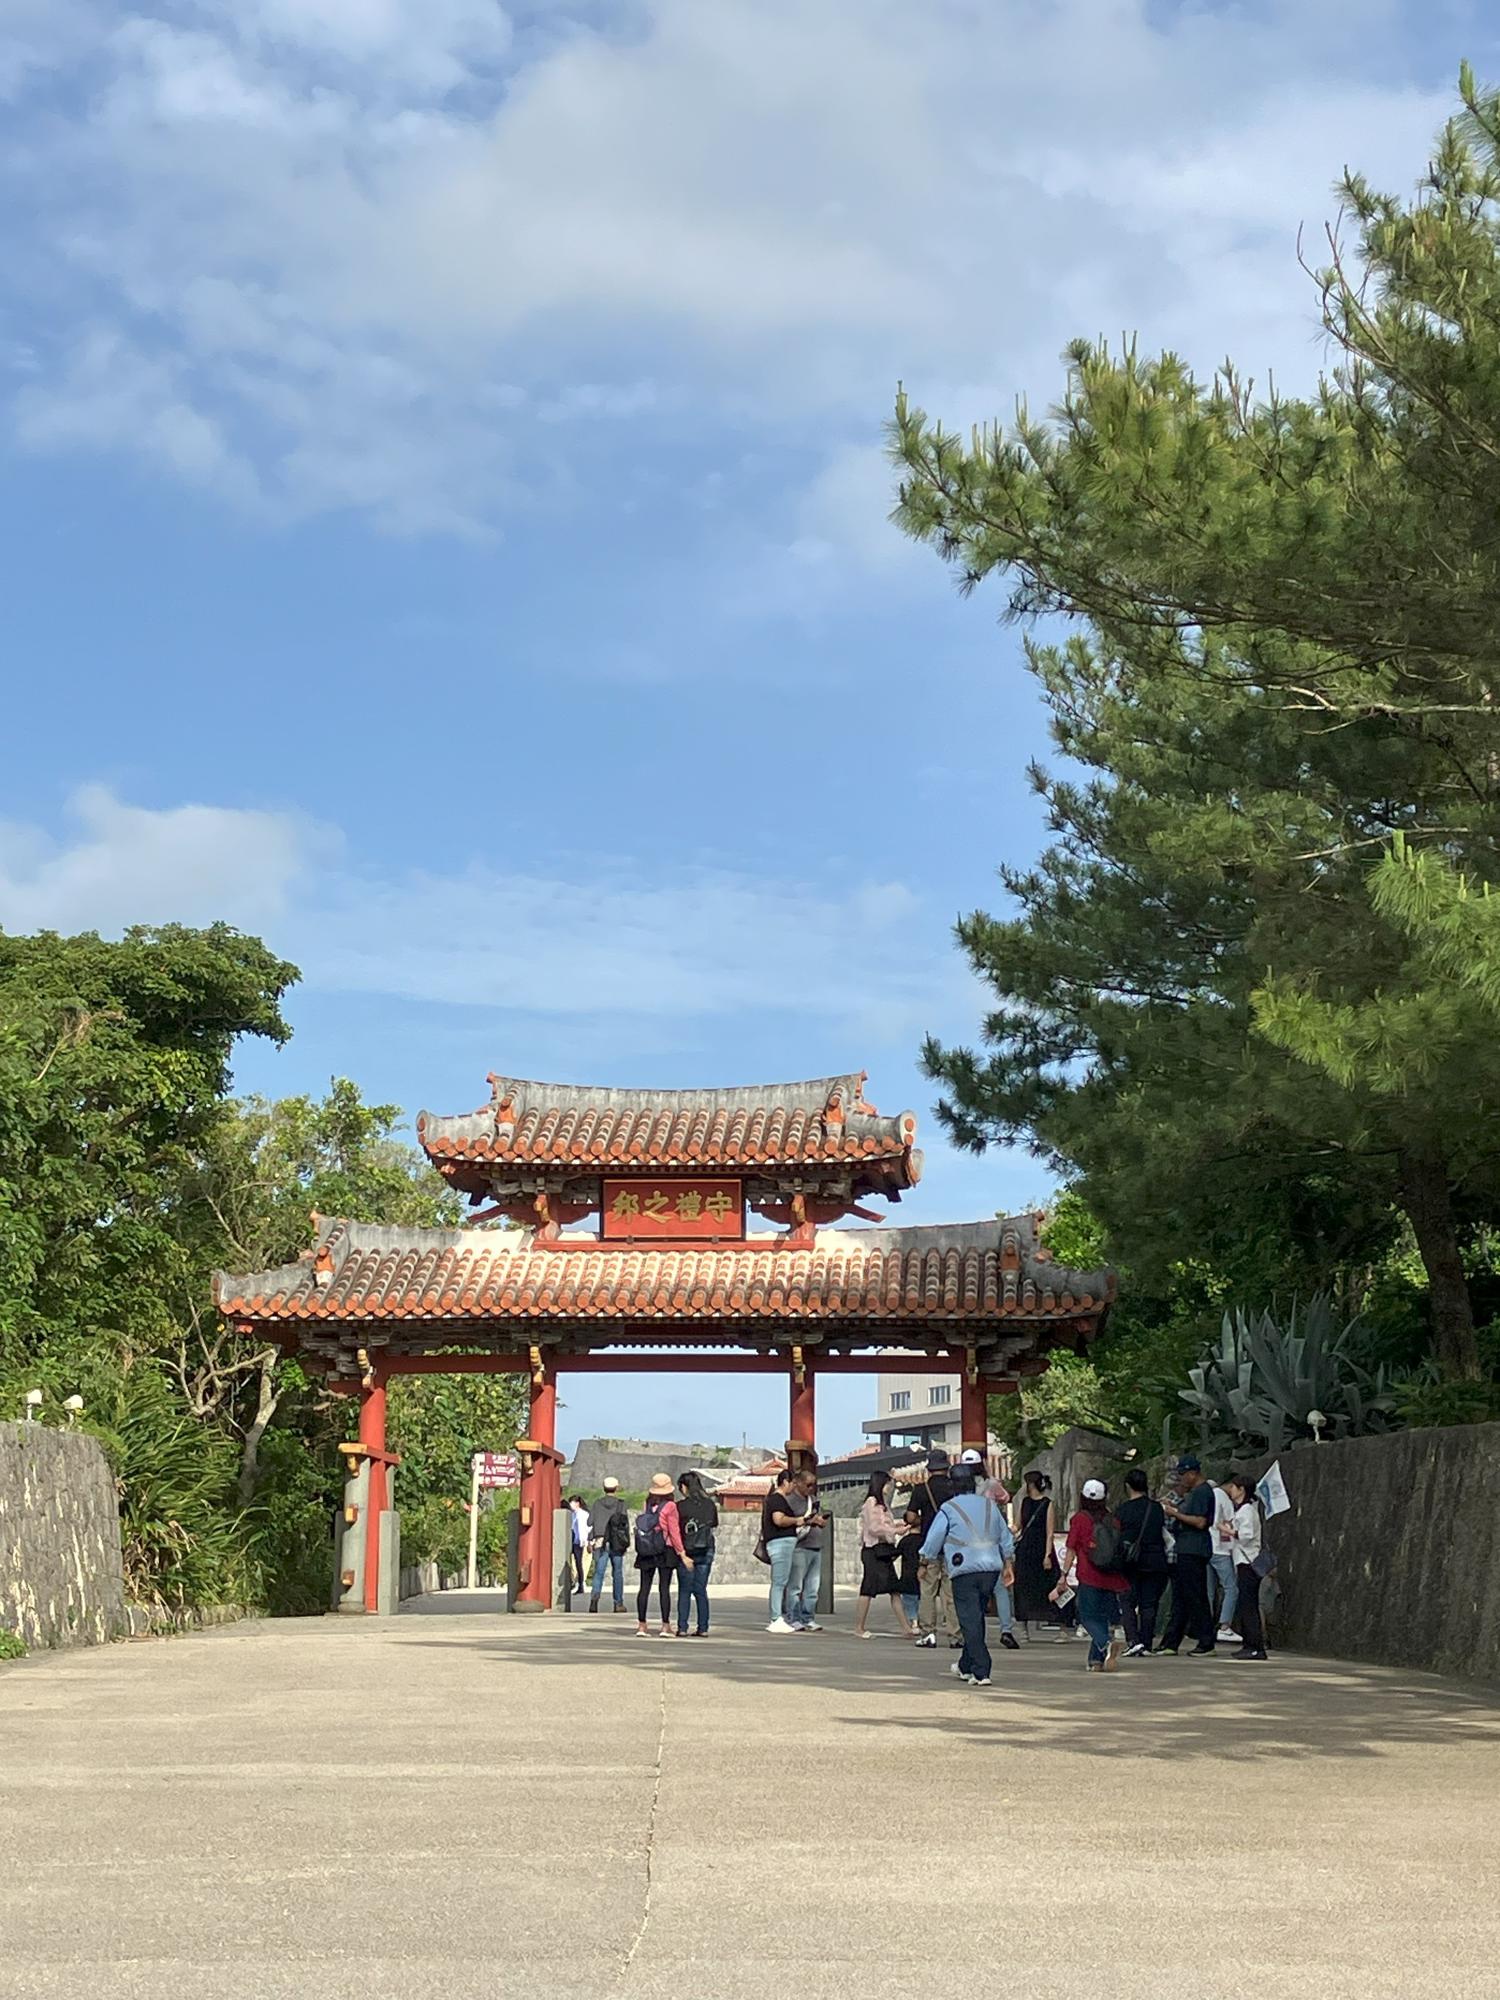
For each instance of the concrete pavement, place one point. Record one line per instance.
(458, 1803)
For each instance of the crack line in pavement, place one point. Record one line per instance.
(640, 1931)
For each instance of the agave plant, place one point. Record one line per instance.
(1261, 1381)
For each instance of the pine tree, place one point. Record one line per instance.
(1217, 996)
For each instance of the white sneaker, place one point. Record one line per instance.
(780, 1625)
(1228, 1636)
(979, 1680)
(958, 1673)
(928, 1639)
(811, 1626)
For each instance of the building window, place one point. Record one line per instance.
(901, 1399)
(942, 1394)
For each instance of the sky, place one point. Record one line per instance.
(444, 511)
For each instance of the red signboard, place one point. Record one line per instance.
(671, 1207)
(497, 1468)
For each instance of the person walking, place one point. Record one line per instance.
(780, 1517)
(908, 1559)
(578, 1509)
(1093, 1551)
(1191, 1515)
(971, 1537)
(972, 1467)
(806, 1573)
(658, 1553)
(697, 1521)
(878, 1536)
(1246, 1534)
(609, 1538)
(1036, 1554)
(1143, 1551)
(935, 1605)
(1221, 1567)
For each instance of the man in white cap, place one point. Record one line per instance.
(609, 1538)
(971, 1464)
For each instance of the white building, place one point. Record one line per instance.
(916, 1409)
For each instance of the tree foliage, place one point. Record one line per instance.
(1210, 1001)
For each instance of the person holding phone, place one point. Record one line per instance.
(807, 1560)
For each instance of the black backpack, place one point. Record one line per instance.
(1105, 1550)
(650, 1536)
(698, 1518)
(617, 1532)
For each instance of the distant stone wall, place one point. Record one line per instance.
(633, 1460)
(61, 1578)
(1391, 1552)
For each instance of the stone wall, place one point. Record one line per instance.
(633, 1460)
(61, 1578)
(1391, 1552)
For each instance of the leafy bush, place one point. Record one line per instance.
(12, 1646)
(1426, 1404)
(1261, 1380)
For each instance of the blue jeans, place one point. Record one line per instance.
(1223, 1569)
(781, 1552)
(606, 1563)
(1003, 1610)
(911, 1603)
(692, 1588)
(971, 1593)
(802, 1587)
(1097, 1611)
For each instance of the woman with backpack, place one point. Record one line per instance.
(697, 1518)
(1093, 1550)
(658, 1551)
(1250, 1565)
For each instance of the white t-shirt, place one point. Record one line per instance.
(1223, 1516)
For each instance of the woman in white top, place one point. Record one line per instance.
(1245, 1541)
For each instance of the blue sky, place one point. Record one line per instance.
(445, 516)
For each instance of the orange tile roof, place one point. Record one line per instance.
(962, 1274)
(825, 1122)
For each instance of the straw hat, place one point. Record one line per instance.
(661, 1483)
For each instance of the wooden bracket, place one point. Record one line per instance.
(538, 1368)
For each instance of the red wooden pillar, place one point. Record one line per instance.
(372, 1441)
(802, 1427)
(973, 1413)
(541, 1492)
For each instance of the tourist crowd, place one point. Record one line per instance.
(961, 1555)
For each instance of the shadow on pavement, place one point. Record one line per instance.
(1041, 1700)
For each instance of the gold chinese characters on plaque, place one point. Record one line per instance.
(673, 1208)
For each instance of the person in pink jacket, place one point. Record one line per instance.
(658, 1551)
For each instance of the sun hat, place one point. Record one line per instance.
(1093, 1489)
(611, 1485)
(937, 1459)
(661, 1482)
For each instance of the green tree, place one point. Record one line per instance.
(1288, 660)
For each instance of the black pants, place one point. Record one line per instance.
(1190, 1612)
(577, 1567)
(1251, 1630)
(662, 1569)
(1141, 1606)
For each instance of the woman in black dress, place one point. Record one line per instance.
(1036, 1556)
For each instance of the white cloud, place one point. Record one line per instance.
(599, 941)
(125, 865)
(356, 251)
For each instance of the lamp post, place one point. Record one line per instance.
(34, 1400)
(1317, 1423)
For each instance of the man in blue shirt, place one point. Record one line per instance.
(974, 1540)
(1192, 1517)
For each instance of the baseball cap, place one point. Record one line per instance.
(1189, 1463)
(971, 1458)
(1093, 1489)
(611, 1485)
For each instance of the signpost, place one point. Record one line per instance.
(487, 1470)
